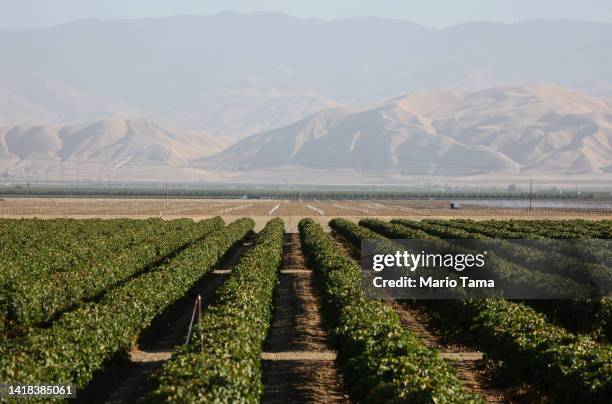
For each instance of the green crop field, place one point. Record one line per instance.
(206, 311)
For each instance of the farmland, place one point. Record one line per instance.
(261, 300)
(290, 210)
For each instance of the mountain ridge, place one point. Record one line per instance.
(506, 130)
(111, 142)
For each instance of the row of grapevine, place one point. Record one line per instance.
(27, 302)
(563, 228)
(381, 361)
(571, 367)
(222, 362)
(79, 343)
(353, 233)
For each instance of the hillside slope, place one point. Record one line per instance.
(107, 143)
(541, 128)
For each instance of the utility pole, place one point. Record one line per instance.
(166, 204)
(530, 194)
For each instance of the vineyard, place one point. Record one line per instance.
(206, 311)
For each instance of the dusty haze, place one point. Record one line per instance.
(360, 96)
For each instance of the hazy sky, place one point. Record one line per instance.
(436, 13)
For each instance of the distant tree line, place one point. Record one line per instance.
(137, 192)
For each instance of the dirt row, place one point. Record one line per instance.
(298, 363)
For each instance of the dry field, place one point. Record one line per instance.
(291, 211)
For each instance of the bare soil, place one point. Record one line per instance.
(291, 211)
(298, 363)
